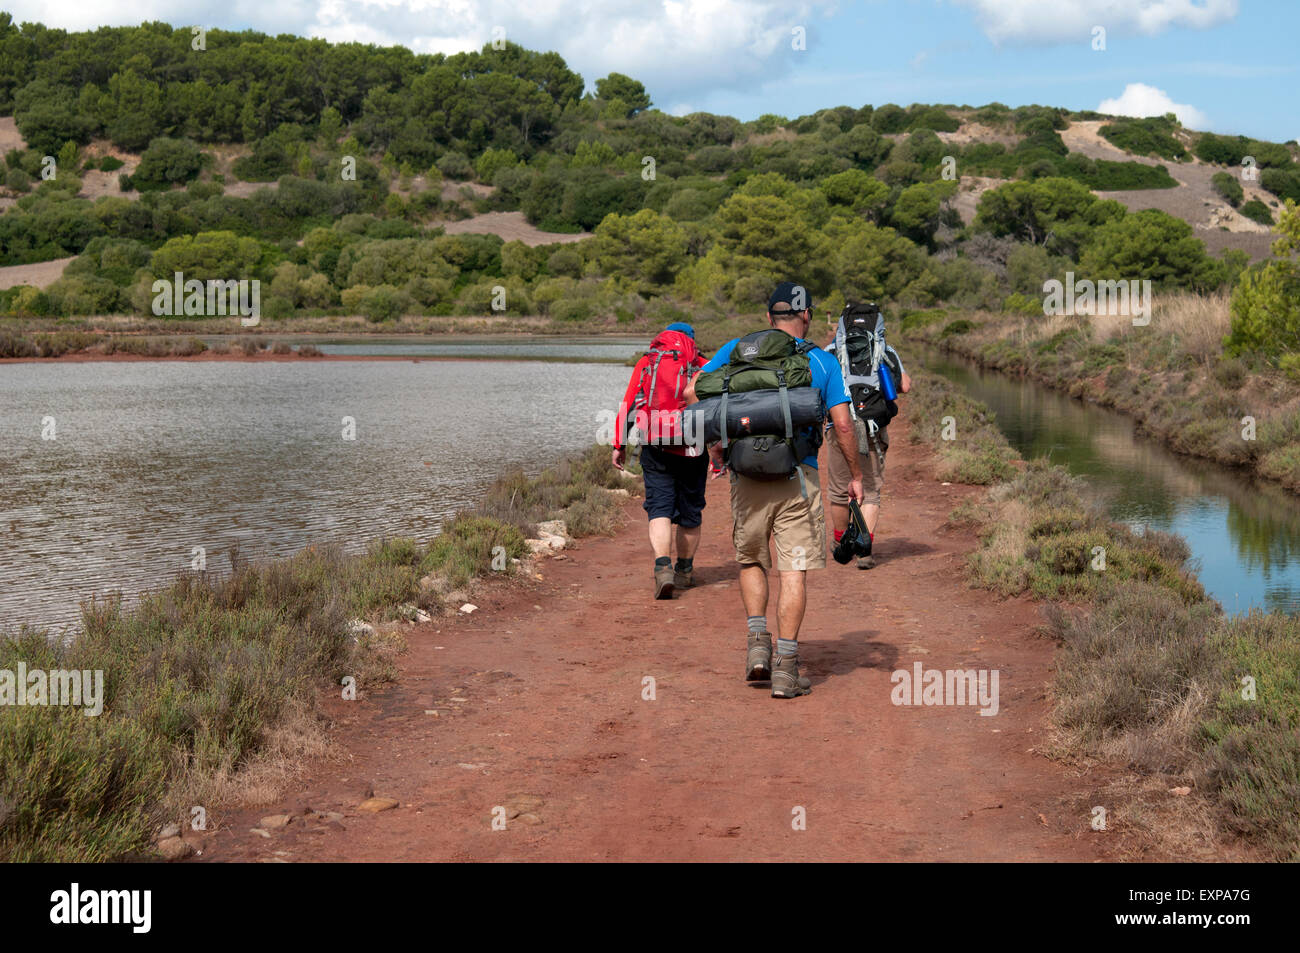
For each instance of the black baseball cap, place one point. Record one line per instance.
(789, 293)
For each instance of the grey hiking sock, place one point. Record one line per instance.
(757, 623)
(787, 646)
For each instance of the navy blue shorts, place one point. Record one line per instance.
(674, 486)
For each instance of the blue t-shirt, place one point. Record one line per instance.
(826, 377)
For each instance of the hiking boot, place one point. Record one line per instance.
(786, 680)
(683, 580)
(758, 663)
(664, 582)
(866, 562)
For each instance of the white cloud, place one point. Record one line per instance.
(676, 47)
(1063, 21)
(1141, 100)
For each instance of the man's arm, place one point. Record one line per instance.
(619, 455)
(689, 393)
(715, 449)
(904, 379)
(846, 437)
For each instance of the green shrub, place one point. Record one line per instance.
(915, 320)
(1104, 175)
(1022, 304)
(1257, 211)
(1230, 373)
(1232, 150)
(456, 165)
(1284, 183)
(1266, 302)
(1144, 137)
(1228, 187)
(18, 180)
(1253, 745)
(165, 163)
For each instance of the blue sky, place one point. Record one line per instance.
(1240, 74)
(1225, 65)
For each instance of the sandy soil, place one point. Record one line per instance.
(969, 194)
(970, 132)
(535, 704)
(511, 226)
(40, 275)
(450, 191)
(1194, 200)
(238, 189)
(10, 137)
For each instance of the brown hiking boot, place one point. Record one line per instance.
(684, 580)
(758, 663)
(786, 680)
(664, 577)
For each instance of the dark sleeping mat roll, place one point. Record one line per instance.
(753, 412)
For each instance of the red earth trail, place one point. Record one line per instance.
(540, 710)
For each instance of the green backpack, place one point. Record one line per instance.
(771, 360)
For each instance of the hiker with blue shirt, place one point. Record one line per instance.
(775, 490)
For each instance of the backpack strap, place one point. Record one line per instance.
(722, 410)
(654, 374)
(803, 489)
(785, 403)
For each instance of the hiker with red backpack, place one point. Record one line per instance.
(674, 467)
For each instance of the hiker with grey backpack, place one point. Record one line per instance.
(874, 375)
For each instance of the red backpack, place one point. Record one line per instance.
(656, 394)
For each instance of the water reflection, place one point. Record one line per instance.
(153, 459)
(1244, 534)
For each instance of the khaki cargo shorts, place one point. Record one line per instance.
(777, 510)
(871, 462)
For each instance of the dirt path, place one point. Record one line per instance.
(540, 694)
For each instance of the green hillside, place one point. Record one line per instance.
(329, 171)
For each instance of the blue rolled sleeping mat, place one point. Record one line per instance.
(752, 412)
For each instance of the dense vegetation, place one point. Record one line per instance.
(360, 149)
(365, 152)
